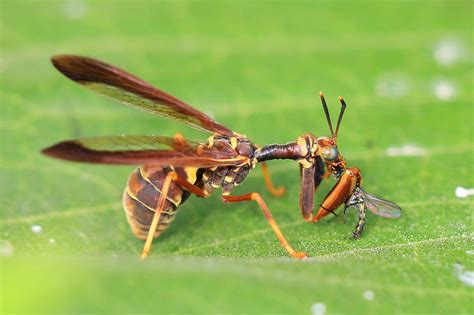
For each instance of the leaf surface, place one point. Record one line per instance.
(257, 74)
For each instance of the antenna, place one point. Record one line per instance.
(326, 111)
(341, 113)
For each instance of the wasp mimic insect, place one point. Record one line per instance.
(173, 168)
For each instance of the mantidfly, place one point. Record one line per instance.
(173, 168)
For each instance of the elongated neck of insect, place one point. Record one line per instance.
(290, 150)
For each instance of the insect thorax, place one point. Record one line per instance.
(228, 177)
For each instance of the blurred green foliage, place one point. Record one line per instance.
(257, 68)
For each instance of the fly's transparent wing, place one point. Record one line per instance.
(381, 207)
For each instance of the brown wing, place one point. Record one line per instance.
(144, 150)
(125, 87)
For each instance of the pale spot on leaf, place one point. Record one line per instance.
(406, 150)
(36, 228)
(392, 85)
(462, 192)
(449, 51)
(74, 9)
(6, 248)
(444, 90)
(369, 295)
(318, 309)
(466, 277)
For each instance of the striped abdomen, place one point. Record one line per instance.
(141, 196)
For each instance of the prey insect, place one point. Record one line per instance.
(173, 168)
(376, 205)
(348, 191)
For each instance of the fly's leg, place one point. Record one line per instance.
(357, 200)
(278, 192)
(256, 197)
(359, 228)
(354, 200)
(170, 177)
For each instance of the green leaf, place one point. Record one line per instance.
(257, 68)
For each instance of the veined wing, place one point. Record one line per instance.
(381, 207)
(127, 88)
(144, 150)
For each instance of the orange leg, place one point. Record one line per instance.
(156, 217)
(161, 203)
(278, 192)
(192, 188)
(256, 197)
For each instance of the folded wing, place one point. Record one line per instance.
(154, 150)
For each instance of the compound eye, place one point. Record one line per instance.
(329, 154)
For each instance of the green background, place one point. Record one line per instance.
(257, 68)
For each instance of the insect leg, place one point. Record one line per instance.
(256, 197)
(320, 172)
(361, 222)
(278, 192)
(172, 176)
(307, 188)
(343, 190)
(192, 188)
(156, 217)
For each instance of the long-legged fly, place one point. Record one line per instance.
(173, 168)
